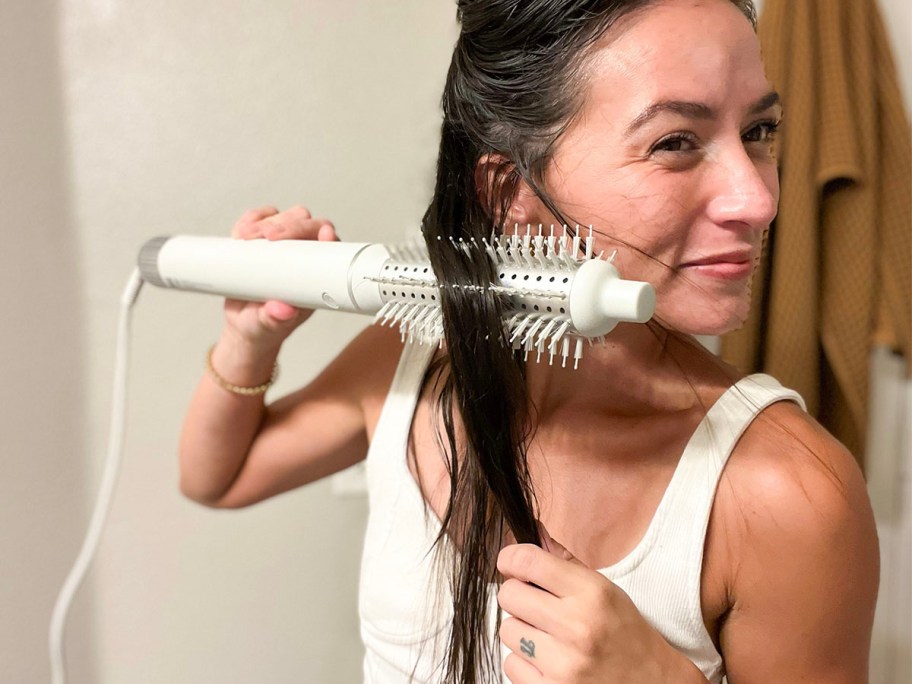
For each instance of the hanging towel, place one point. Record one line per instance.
(837, 266)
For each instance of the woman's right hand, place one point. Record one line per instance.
(266, 325)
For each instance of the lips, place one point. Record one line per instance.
(732, 265)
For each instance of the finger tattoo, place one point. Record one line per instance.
(527, 646)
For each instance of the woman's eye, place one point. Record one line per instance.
(677, 142)
(763, 132)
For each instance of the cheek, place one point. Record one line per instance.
(689, 308)
(645, 215)
(650, 230)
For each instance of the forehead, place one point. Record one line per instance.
(690, 50)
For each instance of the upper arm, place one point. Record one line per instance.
(323, 427)
(804, 556)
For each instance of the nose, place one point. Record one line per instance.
(745, 190)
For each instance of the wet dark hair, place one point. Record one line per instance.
(515, 83)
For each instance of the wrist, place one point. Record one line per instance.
(241, 362)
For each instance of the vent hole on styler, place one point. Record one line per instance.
(535, 307)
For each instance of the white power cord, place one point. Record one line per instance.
(109, 478)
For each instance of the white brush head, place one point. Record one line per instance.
(552, 294)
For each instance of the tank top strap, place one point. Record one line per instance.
(663, 574)
(688, 501)
(715, 438)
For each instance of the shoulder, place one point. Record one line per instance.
(794, 526)
(787, 473)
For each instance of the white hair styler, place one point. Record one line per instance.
(556, 292)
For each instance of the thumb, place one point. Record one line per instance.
(280, 310)
(280, 317)
(554, 547)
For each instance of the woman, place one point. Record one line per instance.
(706, 525)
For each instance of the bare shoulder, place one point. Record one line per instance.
(799, 554)
(788, 472)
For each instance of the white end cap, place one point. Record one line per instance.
(599, 299)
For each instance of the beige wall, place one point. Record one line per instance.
(43, 418)
(181, 115)
(119, 121)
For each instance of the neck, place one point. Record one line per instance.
(637, 371)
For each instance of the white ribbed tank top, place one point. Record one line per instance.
(401, 623)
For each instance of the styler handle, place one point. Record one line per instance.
(304, 273)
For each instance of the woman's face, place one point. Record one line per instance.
(672, 155)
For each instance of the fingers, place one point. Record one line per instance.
(248, 218)
(520, 671)
(529, 563)
(295, 223)
(327, 232)
(554, 547)
(531, 604)
(280, 311)
(530, 649)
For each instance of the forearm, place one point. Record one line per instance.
(688, 673)
(679, 669)
(220, 426)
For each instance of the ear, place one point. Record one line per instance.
(494, 175)
(526, 207)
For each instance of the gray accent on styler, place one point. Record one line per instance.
(148, 260)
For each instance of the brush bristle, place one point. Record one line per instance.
(535, 271)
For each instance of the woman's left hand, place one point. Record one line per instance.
(569, 623)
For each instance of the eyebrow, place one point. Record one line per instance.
(694, 110)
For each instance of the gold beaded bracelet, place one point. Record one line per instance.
(237, 389)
